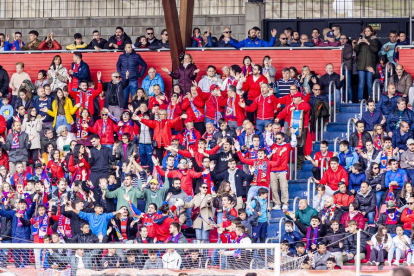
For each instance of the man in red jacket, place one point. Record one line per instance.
(407, 217)
(305, 140)
(214, 103)
(333, 176)
(84, 95)
(189, 137)
(49, 44)
(265, 105)
(105, 128)
(233, 112)
(251, 85)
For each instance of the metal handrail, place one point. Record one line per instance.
(322, 162)
(350, 121)
(375, 92)
(386, 73)
(360, 107)
(310, 180)
(317, 129)
(334, 98)
(337, 139)
(296, 163)
(346, 82)
(290, 165)
(282, 219)
(295, 200)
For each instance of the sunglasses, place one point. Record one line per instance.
(183, 162)
(410, 203)
(283, 38)
(117, 77)
(376, 168)
(279, 138)
(150, 33)
(229, 32)
(106, 114)
(204, 187)
(166, 34)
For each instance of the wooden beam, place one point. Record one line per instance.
(174, 35)
(186, 21)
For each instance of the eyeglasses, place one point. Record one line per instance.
(117, 77)
(229, 32)
(150, 33)
(183, 162)
(106, 114)
(174, 96)
(279, 138)
(204, 187)
(410, 203)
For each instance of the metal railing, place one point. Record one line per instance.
(322, 129)
(337, 139)
(110, 8)
(344, 68)
(322, 166)
(332, 84)
(282, 219)
(363, 102)
(296, 163)
(389, 68)
(376, 90)
(290, 165)
(350, 122)
(309, 198)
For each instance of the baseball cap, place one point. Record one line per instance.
(410, 141)
(214, 86)
(330, 34)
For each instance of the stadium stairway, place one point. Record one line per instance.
(298, 188)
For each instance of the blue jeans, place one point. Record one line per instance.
(262, 124)
(61, 120)
(202, 234)
(371, 216)
(4, 253)
(362, 75)
(145, 152)
(379, 195)
(349, 86)
(219, 218)
(189, 222)
(253, 192)
(132, 87)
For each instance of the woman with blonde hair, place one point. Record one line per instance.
(139, 98)
(17, 80)
(185, 73)
(378, 136)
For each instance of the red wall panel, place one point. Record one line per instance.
(106, 62)
(407, 59)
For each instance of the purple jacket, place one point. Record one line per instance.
(185, 76)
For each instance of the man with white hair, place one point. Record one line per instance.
(114, 99)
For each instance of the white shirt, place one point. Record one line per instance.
(80, 262)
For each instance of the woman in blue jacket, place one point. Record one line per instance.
(153, 78)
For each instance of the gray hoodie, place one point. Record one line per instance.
(153, 265)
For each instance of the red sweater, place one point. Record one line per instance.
(281, 155)
(86, 100)
(176, 112)
(333, 178)
(74, 168)
(56, 169)
(407, 217)
(55, 46)
(213, 104)
(198, 104)
(197, 155)
(161, 229)
(265, 106)
(127, 128)
(239, 112)
(162, 103)
(253, 86)
(162, 130)
(189, 144)
(264, 168)
(186, 177)
(107, 136)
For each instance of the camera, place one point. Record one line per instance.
(54, 180)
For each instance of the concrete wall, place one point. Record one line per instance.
(64, 29)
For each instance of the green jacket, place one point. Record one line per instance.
(133, 194)
(156, 197)
(305, 215)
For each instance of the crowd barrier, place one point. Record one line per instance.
(315, 58)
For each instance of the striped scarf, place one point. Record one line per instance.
(199, 40)
(16, 143)
(170, 112)
(230, 112)
(82, 132)
(314, 237)
(381, 73)
(196, 112)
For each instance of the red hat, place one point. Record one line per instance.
(188, 120)
(297, 95)
(174, 137)
(214, 86)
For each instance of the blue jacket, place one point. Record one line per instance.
(242, 139)
(257, 42)
(399, 140)
(83, 72)
(38, 104)
(147, 83)
(292, 237)
(355, 181)
(131, 62)
(210, 42)
(387, 105)
(176, 160)
(394, 117)
(19, 234)
(400, 176)
(98, 224)
(396, 56)
(314, 99)
(306, 44)
(371, 120)
(348, 159)
(263, 208)
(8, 46)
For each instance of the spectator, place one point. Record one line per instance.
(153, 78)
(160, 44)
(4, 82)
(366, 200)
(356, 177)
(315, 37)
(130, 62)
(407, 158)
(186, 73)
(17, 43)
(330, 40)
(288, 32)
(333, 176)
(347, 156)
(402, 81)
(253, 41)
(49, 43)
(388, 101)
(401, 136)
(204, 41)
(119, 40)
(349, 250)
(372, 116)
(33, 43)
(224, 40)
(212, 78)
(303, 214)
(303, 42)
(80, 70)
(381, 245)
(353, 214)
(387, 49)
(17, 80)
(153, 262)
(17, 145)
(400, 114)
(78, 44)
(347, 54)
(74, 260)
(57, 74)
(317, 160)
(268, 69)
(114, 98)
(395, 177)
(343, 197)
(402, 40)
(369, 155)
(366, 51)
(326, 79)
(97, 42)
(282, 41)
(359, 138)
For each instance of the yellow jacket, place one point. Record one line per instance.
(69, 111)
(74, 47)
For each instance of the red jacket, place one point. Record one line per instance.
(407, 219)
(265, 106)
(186, 177)
(162, 130)
(3, 126)
(229, 116)
(281, 157)
(197, 155)
(359, 218)
(127, 128)
(163, 104)
(198, 104)
(55, 46)
(56, 169)
(107, 137)
(288, 99)
(4, 159)
(176, 112)
(286, 113)
(161, 227)
(343, 199)
(93, 93)
(213, 104)
(75, 169)
(253, 86)
(333, 178)
(184, 142)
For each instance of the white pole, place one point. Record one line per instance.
(277, 264)
(357, 258)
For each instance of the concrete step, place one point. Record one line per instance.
(350, 108)
(340, 127)
(344, 117)
(332, 135)
(304, 174)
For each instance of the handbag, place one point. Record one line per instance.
(195, 213)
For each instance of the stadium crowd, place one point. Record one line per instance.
(81, 163)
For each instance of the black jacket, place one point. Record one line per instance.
(19, 102)
(394, 118)
(75, 220)
(6, 226)
(332, 239)
(4, 81)
(94, 43)
(222, 159)
(131, 148)
(326, 79)
(230, 135)
(350, 243)
(118, 89)
(374, 181)
(158, 45)
(347, 53)
(390, 227)
(240, 178)
(353, 140)
(221, 43)
(131, 231)
(364, 162)
(366, 203)
(125, 40)
(82, 238)
(137, 43)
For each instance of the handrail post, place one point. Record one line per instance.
(282, 219)
(317, 127)
(346, 84)
(348, 133)
(322, 130)
(332, 83)
(294, 208)
(391, 69)
(357, 258)
(296, 163)
(343, 66)
(330, 100)
(337, 139)
(309, 186)
(361, 105)
(341, 72)
(290, 165)
(322, 162)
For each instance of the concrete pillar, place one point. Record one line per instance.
(255, 13)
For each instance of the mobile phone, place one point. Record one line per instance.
(360, 36)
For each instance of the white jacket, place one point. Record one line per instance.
(33, 128)
(376, 246)
(171, 260)
(245, 240)
(398, 243)
(60, 80)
